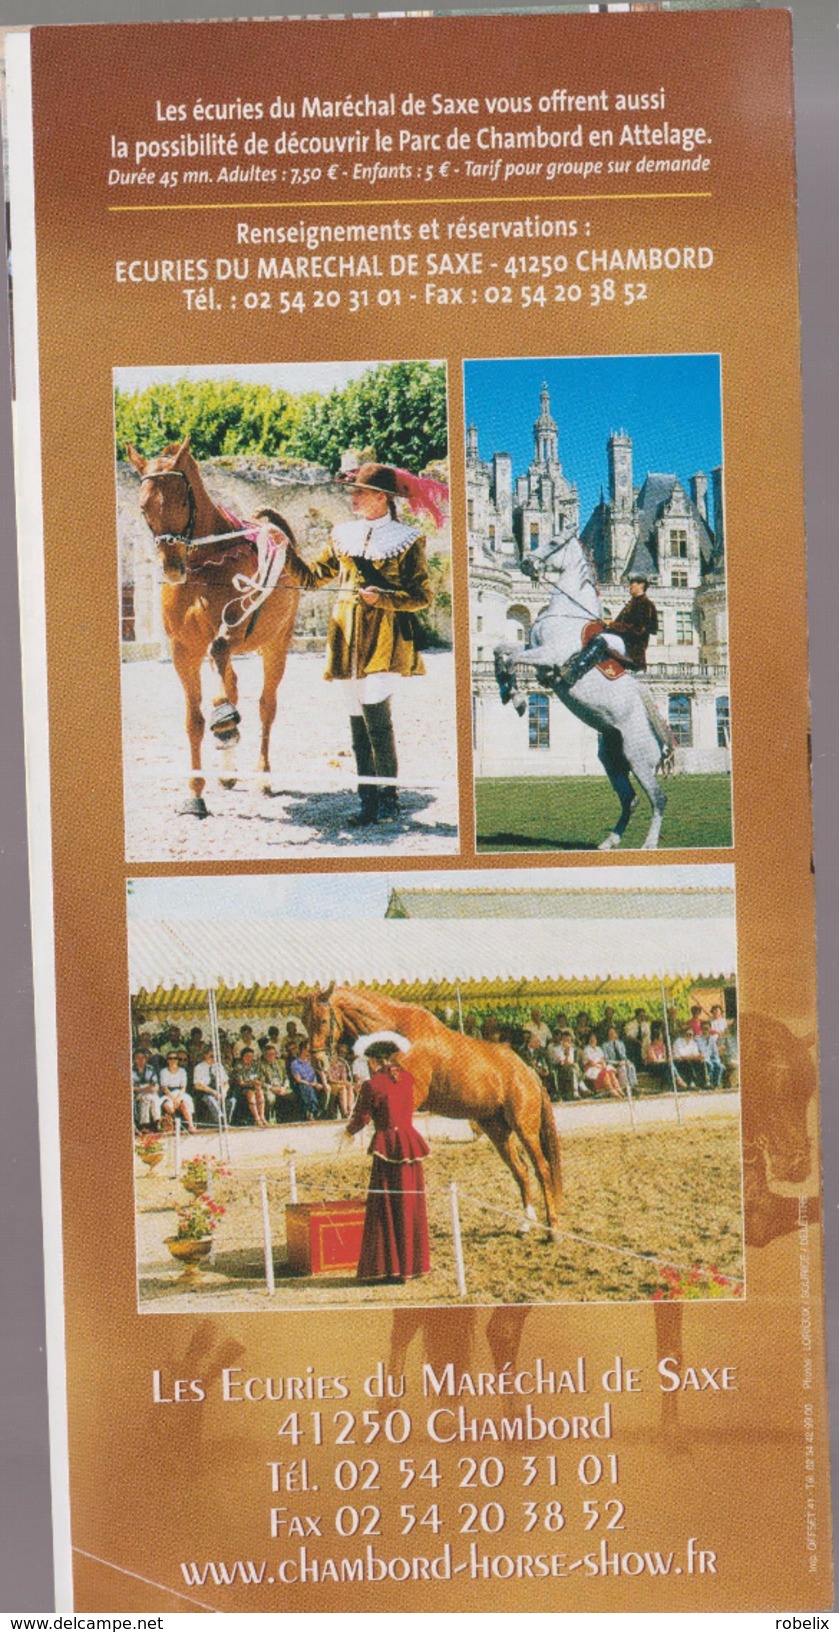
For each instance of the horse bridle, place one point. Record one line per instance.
(559, 589)
(185, 538)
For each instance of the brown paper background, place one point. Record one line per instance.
(730, 1473)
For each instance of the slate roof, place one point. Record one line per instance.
(652, 498)
(650, 501)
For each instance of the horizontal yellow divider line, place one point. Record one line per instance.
(407, 203)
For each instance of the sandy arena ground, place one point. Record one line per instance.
(673, 1192)
(313, 778)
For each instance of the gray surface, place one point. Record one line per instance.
(25, 1576)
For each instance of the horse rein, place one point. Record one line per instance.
(558, 587)
(186, 537)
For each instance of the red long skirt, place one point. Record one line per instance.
(395, 1239)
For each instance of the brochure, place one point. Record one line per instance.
(412, 577)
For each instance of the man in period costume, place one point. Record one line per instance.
(627, 636)
(380, 564)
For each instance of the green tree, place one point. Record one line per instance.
(396, 409)
(222, 417)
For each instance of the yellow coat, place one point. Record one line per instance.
(364, 639)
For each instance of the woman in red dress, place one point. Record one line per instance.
(394, 1246)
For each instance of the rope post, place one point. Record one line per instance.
(460, 1271)
(292, 1184)
(631, 1104)
(266, 1237)
(177, 1146)
(459, 1007)
(218, 1076)
(211, 1255)
(670, 1056)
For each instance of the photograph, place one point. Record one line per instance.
(598, 608)
(462, 1088)
(286, 611)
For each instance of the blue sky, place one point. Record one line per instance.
(670, 405)
(365, 895)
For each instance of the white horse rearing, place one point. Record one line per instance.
(634, 740)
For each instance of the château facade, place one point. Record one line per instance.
(655, 526)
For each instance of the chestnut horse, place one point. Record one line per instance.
(458, 1076)
(202, 551)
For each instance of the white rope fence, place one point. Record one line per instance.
(455, 1193)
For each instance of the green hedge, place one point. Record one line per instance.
(396, 409)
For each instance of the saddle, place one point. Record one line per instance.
(612, 666)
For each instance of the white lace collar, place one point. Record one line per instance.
(377, 540)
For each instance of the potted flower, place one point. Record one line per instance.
(149, 1148)
(200, 1171)
(193, 1239)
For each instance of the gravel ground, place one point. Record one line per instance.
(312, 784)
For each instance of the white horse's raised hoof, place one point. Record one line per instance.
(611, 842)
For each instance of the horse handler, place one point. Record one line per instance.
(382, 573)
(394, 1245)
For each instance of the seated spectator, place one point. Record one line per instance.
(605, 1025)
(248, 1087)
(195, 1047)
(729, 1052)
(244, 1040)
(656, 1062)
(583, 1029)
(562, 1063)
(707, 1045)
(174, 1095)
(210, 1082)
(637, 1034)
(340, 1079)
(600, 1076)
(719, 1024)
(695, 1019)
(489, 1029)
(690, 1066)
(538, 1031)
(275, 1087)
(304, 1082)
(616, 1055)
(145, 1084)
(470, 1026)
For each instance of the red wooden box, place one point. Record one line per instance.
(324, 1238)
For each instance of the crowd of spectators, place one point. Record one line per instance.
(257, 1082)
(274, 1078)
(581, 1057)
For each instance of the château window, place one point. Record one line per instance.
(492, 537)
(539, 721)
(684, 629)
(679, 578)
(470, 513)
(679, 543)
(679, 717)
(723, 723)
(480, 623)
(534, 535)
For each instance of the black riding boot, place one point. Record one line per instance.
(380, 729)
(581, 662)
(365, 765)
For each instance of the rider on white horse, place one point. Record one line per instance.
(626, 636)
